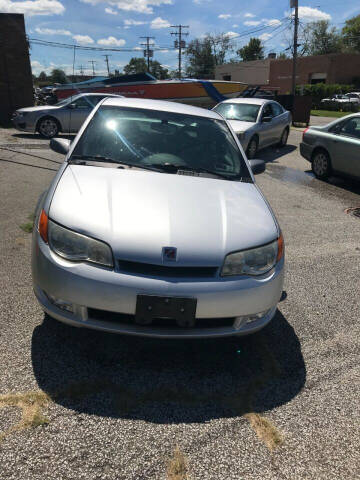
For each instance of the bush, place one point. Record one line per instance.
(318, 91)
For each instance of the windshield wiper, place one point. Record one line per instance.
(100, 159)
(174, 168)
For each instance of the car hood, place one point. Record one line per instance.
(39, 108)
(139, 212)
(239, 126)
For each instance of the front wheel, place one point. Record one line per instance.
(48, 127)
(321, 165)
(284, 138)
(252, 148)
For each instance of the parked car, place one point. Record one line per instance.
(339, 98)
(154, 226)
(257, 122)
(334, 149)
(65, 116)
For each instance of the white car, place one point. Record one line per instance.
(258, 123)
(155, 226)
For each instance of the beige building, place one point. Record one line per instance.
(256, 72)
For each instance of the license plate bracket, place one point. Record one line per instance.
(150, 307)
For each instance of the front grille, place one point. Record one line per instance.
(106, 316)
(147, 269)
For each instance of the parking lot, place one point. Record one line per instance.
(280, 404)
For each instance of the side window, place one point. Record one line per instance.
(267, 111)
(277, 109)
(351, 128)
(82, 102)
(94, 100)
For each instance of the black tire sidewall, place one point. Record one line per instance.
(46, 136)
(253, 139)
(327, 173)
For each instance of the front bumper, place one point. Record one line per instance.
(23, 124)
(306, 151)
(88, 287)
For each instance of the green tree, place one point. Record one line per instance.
(252, 51)
(321, 39)
(282, 56)
(58, 76)
(42, 77)
(351, 34)
(139, 65)
(203, 54)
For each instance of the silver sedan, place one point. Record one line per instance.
(66, 116)
(154, 226)
(258, 123)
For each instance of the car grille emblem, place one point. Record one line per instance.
(169, 254)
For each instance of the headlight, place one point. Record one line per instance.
(76, 247)
(255, 261)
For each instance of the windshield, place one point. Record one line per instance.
(246, 112)
(161, 139)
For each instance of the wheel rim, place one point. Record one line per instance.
(284, 137)
(320, 164)
(252, 148)
(48, 127)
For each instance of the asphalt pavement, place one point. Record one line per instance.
(280, 404)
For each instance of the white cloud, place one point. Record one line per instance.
(137, 48)
(313, 14)
(33, 7)
(274, 22)
(83, 39)
(249, 15)
(133, 22)
(110, 11)
(162, 51)
(251, 23)
(235, 25)
(159, 22)
(112, 42)
(224, 16)
(265, 36)
(141, 6)
(52, 31)
(231, 34)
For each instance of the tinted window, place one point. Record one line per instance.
(151, 137)
(351, 128)
(277, 109)
(245, 112)
(82, 102)
(267, 111)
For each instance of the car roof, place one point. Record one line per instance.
(251, 100)
(89, 94)
(161, 105)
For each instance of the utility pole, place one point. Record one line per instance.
(295, 4)
(179, 43)
(107, 63)
(93, 66)
(81, 70)
(147, 52)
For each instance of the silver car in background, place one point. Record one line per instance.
(258, 123)
(66, 116)
(154, 226)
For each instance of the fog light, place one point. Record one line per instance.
(62, 304)
(240, 322)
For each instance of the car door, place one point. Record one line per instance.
(266, 132)
(278, 122)
(79, 110)
(344, 147)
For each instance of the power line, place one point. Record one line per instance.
(179, 43)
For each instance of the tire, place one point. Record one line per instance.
(252, 148)
(48, 127)
(284, 138)
(321, 164)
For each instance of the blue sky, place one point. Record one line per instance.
(120, 23)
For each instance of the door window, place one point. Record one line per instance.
(267, 111)
(351, 128)
(82, 102)
(276, 109)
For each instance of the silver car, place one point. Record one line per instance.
(154, 226)
(334, 149)
(67, 116)
(258, 123)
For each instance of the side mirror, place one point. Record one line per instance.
(266, 119)
(257, 166)
(72, 105)
(60, 145)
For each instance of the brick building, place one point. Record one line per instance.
(16, 89)
(333, 68)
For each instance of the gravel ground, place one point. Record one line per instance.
(281, 404)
